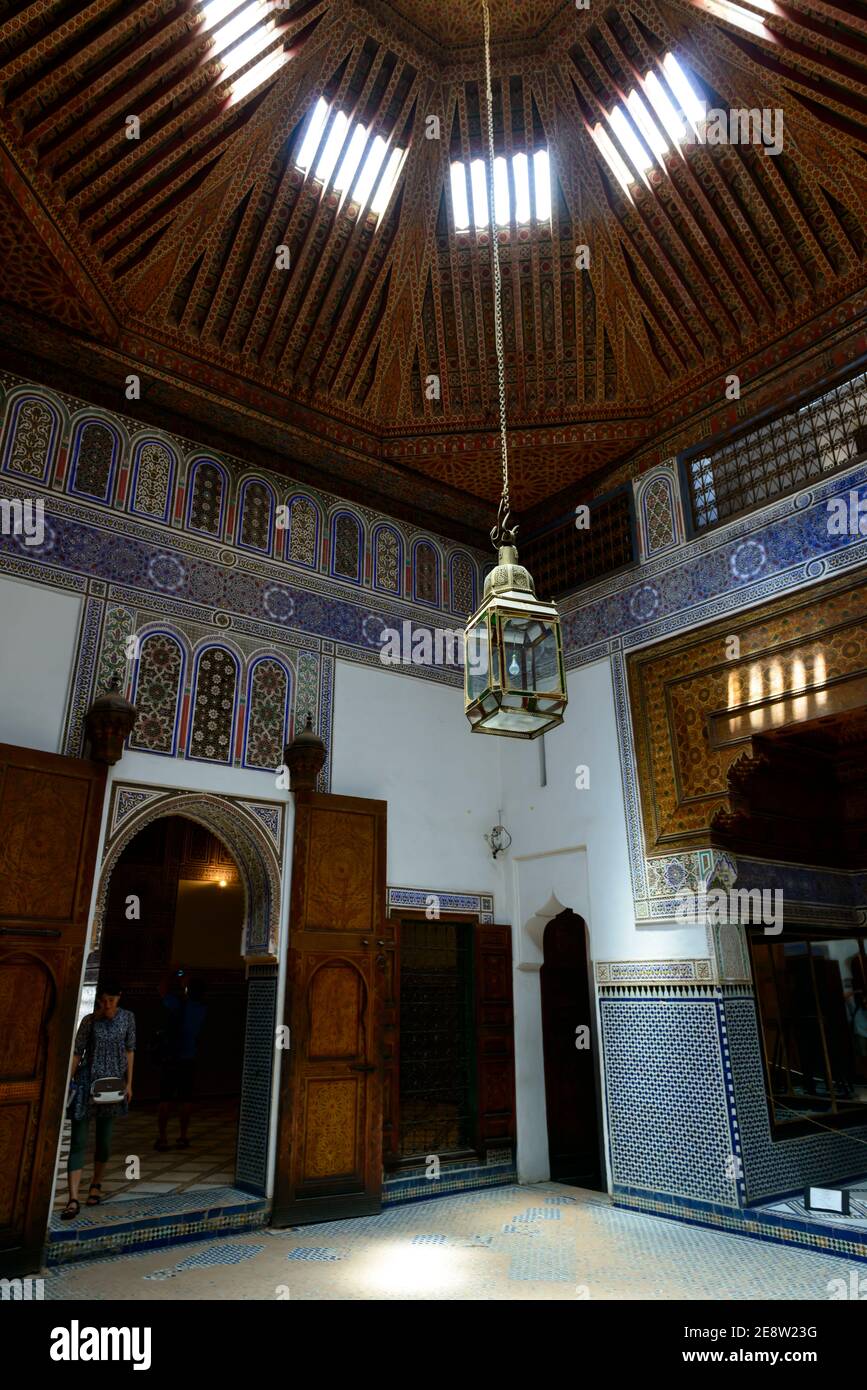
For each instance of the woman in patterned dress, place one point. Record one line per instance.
(107, 1039)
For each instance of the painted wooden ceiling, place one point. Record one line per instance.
(157, 253)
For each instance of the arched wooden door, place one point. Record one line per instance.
(570, 1070)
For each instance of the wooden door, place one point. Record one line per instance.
(495, 1036)
(50, 809)
(330, 1129)
(570, 1071)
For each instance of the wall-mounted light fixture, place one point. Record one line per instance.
(499, 838)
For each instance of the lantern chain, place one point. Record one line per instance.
(503, 533)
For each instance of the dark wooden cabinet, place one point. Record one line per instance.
(50, 810)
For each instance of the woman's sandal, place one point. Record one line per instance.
(94, 1196)
(68, 1214)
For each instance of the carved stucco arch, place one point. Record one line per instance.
(245, 840)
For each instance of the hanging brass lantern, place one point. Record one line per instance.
(515, 683)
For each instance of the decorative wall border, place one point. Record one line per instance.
(70, 416)
(698, 970)
(479, 905)
(206, 583)
(770, 551)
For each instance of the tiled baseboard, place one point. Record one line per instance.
(411, 1185)
(747, 1221)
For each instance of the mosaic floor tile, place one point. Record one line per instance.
(317, 1252)
(223, 1253)
(469, 1246)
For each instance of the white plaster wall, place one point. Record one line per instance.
(569, 849)
(38, 631)
(187, 774)
(406, 741)
(560, 817)
(567, 842)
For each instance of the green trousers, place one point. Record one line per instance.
(78, 1142)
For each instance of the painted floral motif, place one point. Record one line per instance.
(93, 464)
(113, 657)
(152, 481)
(156, 694)
(31, 446)
(660, 519)
(347, 537)
(307, 689)
(266, 718)
(426, 573)
(463, 585)
(256, 517)
(387, 560)
(214, 706)
(302, 532)
(207, 500)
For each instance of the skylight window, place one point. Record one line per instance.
(512, 178)
(638, 131)
(693, 107)
(241, 35)
(349, 162)
(742, 17)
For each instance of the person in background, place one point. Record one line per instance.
(186, 1011)
(104, 1047)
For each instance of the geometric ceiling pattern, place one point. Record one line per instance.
(162, 249)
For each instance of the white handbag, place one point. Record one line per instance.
(108, 1090)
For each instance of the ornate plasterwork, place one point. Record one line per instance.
(802, 641)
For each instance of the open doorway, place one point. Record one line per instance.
(571, 1089)
(172, 941)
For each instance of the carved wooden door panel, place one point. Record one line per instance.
(330, 1133)
(50, 809)
(495, 1036)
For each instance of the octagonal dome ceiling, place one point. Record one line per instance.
(183, 198)
(453, 24)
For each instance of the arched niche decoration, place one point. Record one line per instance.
(154, 470)
(95, 449)
(347, 546)
(34, 426)
(388, 562)
(245, 840)
(256, 509)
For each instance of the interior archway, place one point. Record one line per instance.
(172, 938)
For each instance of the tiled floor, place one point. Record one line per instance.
(209, 1160)
(542, 1242)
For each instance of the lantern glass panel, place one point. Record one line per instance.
(516, 721)
(530, 647)
(477, 657)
